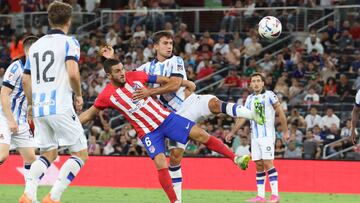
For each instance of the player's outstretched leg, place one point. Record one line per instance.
(164, 177)
(37, 171)
(67, 173)
(214, 144)
(28, 155)
(235, 110)
(176, 155)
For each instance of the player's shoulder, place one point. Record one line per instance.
(177, 59)
(16, 66)
(143, 66)
(106, 92)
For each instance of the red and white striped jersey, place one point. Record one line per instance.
(145, 115)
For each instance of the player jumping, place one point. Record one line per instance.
(14, 128)
(51, 76)
(151, 120)
(172, 95)
(263, 136)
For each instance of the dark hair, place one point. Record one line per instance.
(108, 63)
(29, 40)
(257, 74)
(158, 35)
(59, 13)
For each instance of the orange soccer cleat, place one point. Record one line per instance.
(24, 199)
(47, 199)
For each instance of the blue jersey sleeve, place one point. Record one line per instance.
(12, 75)
(72, 49)
(27, 69)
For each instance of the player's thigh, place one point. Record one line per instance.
(44, 134)
(198, 134)
(4, 152)
(196, 107)
(5, 134)
(154, 143)
(255, 150)
(27, 153)
(267, 146)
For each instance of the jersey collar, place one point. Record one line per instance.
(55, 31)
(156, 60)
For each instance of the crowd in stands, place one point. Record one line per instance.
(315, 79)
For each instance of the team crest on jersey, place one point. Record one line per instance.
(10, 76)
(152, 149)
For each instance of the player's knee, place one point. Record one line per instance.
(83, 155)
(268, 165)
(215, 105)
(3, 158)
(175, 156)
(259, 166)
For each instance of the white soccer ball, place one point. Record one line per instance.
(269, 27)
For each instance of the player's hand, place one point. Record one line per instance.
(107, 51)
(353, 136)
(190, 85)
(141, 94)
(229, 137)
(79, 102)
(286, 135)
(29, 115)
(13, 126)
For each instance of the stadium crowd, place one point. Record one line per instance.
(315, 79)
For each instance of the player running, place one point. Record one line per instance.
(51, 76)
(263, 136)
(152, 122)
(172, 96)
(14, 128)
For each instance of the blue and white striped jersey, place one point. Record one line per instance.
(173, 66)
(51, 90)
(267, 99)
(13, 80)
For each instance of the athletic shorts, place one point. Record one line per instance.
(23, 138)
(262, 148)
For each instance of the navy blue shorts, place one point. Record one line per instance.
(174, 127)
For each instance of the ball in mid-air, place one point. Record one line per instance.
(269, 27)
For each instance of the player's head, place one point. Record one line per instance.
(27, 42)
(115, 72)
(163, 43)
(257, 82)
(59, 15)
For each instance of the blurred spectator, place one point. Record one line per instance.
(238, 42)
(329, 69)
(313, 42)
(296, 118)
(105, 134)
(356, 85)
(292, 152)
(94, 48)
(121, 147)
(282, 87)
(183, 32)
(295, 92)
(234, 55)
(111, 37)
(93, 148)
(319, 136)
(221, 46)
(330, 87)
(355, 64)
(231, 17)
(245, 93)
(232, 80)
(279, 149)
(16, 47)
(140, 16)
(109, 147)
(295, 131)
(129, 65)
(346, 41)
(355, 31)
(135, 149)
(312, 119)
(244, 148)
(2, 72)
(4, 7)
(332, 136)
(206, 70)
(311, 97)
(299, 72)
(206, 39)
(267, 65)
(329, 119)
(192, 45)
(346, 130)
(252, 68)
(313, 83)
(343, 88)
(253, 48)
(310, 147)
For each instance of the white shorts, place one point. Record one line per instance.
(23, 138)
(60, 130)
(194, 108)
(262, 148)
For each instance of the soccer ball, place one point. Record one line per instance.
(269, 27)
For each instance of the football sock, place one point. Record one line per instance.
(176, 177)
(235, 110)
(216, 145)
(36, 172)
(67, 174)
(26, 170)
(273, 178)
(260, 183)
(165, 181)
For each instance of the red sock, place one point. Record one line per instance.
(166, 183)
(216, 145)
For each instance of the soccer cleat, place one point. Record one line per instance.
(47, 199)
(242, 162)
(24, 199)
(274, 199)
(256, 199)
(259, 113)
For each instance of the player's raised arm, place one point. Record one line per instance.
(88, 114)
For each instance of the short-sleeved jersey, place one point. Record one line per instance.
(144, 115)
(13, 80)
(357, 99)
(267, 99)
(173, 66)
(51, 90)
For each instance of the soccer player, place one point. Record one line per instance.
(14, 128)
(354, 117)
(263, 136)
(172, 96)
(152, 122)
(51, 76)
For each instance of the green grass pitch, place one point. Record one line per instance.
(11, 193)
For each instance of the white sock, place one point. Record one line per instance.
(235, 110)
(36, 172)
(260, 183)
(176, 177)
(67, 173)
(273, 178)
(26, 170)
